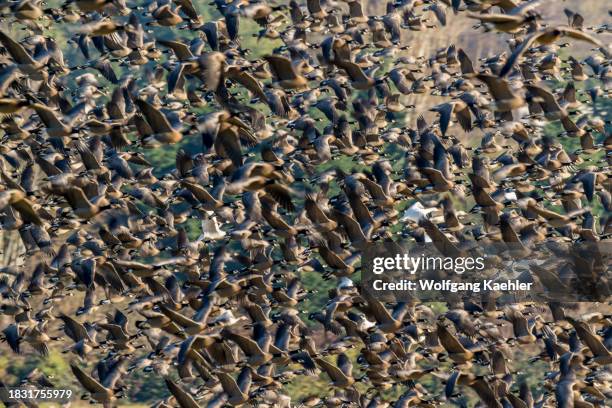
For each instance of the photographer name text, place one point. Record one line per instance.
(451, 286)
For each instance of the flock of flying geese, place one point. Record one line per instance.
(218, 310)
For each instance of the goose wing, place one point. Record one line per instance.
(332, 371)
(592, 341)
(281, 66)
(89, 383)
(353, 70)
(249, 346)
(229, 385)
(183, 398)
(380, 312)
(177, 318)
(73, 329)
(16, 50)
(47, 115)
(158, 121)
(182, 51)
(450, 343)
